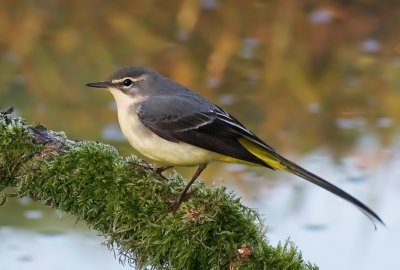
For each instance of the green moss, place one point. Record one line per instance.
(16, 148)
(127, 202)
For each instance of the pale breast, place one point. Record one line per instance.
(151, 145)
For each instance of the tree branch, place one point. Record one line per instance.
(124, 199)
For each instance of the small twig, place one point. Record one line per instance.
(8, 110)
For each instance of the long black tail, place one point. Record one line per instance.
(299, 171)
(275, 161)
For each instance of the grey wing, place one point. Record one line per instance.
(197, 122)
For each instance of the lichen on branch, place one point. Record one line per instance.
(124, 199)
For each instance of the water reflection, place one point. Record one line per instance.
(21, 250)
(33, 214)
(370, 46)
(112, 132)
(324, 225)
(307, 77)
(320, 16)
(320, 223)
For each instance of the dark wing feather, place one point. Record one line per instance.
(190, 120)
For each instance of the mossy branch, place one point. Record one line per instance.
(124, 199)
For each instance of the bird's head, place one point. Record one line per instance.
(129, 82)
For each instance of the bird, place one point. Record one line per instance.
(171, 124)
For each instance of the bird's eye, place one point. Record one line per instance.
(127, 82)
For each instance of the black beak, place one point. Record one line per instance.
(99, 84)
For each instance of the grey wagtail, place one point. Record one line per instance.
(169, 123)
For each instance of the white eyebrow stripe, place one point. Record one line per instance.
(140, 78)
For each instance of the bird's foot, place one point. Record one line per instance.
(159, 170)
(142, 164)
(185, 193)
(174, 206)
(179, 200)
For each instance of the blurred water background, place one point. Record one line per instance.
(318, 80)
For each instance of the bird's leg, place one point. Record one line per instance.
(184, 192)
(159, 170)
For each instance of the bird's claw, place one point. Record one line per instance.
(159, 170)
(178, 202)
